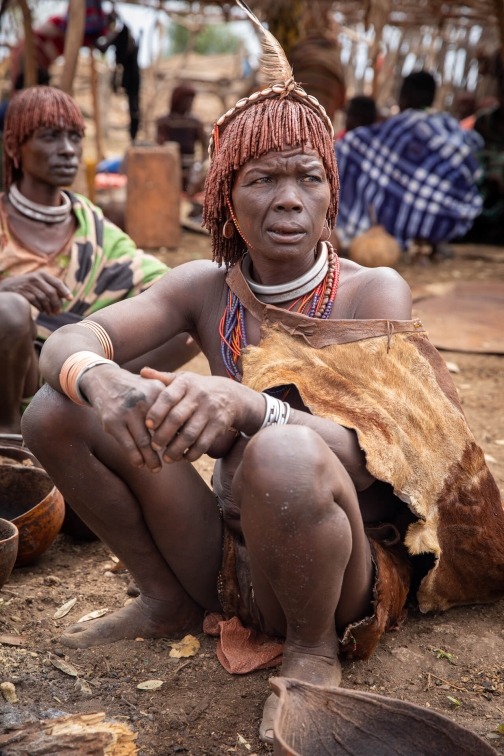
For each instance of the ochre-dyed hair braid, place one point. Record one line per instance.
(260, 126)
(32, 109)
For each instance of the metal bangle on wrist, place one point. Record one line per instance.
(99, 361)
(277, 413)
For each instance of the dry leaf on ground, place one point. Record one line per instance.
(83, 688)
(188, 646)
(8, 691)
(150, 685)
(9, 639)
(65, 667)
(453, 367)
(64, 609)
(93, 615)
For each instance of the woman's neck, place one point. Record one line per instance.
(39, 191)
(275, 272)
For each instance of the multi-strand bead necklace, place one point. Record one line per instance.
(316, 303)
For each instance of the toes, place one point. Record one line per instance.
(269, 711)
(70, 642)
(74, 629)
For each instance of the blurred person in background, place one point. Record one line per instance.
(360, 111)
(418, 170)
(489, 226)
(182, 126)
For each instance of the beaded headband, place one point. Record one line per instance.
(275, 69)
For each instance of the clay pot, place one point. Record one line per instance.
(30, 501)
(315, 721)
(375, 248)
(9, 538)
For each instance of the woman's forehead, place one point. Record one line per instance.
(299, 153)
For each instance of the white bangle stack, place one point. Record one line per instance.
(277, 413)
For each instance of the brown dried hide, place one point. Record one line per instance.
(391, 385)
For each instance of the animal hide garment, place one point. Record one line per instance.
(385, 380)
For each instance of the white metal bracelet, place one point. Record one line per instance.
(98, 361)
(277, 413)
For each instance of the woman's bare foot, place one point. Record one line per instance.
(318, 666)
(143, 618)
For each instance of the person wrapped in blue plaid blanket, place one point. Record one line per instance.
(416, 172)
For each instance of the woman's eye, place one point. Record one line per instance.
(311, 179)
(263, 180)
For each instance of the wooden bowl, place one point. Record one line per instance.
(315, 721)
(9, 538)
(30, 501)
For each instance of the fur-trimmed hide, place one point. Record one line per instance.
(395, 390)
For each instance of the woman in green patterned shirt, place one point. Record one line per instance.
(60, 259)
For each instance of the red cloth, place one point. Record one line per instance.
(240, 650)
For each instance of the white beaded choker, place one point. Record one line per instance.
(43, 213)
(292, 289)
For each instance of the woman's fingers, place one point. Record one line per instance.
(142, 440)
(41, 300)
(173, 424)
(61, 289)
(127, 442)
(206, 438)
(165, 403)
(152, 374)
(188, 436)
(51, 295)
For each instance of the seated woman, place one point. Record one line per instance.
(415, 173)
(60, 260)
(325, 398)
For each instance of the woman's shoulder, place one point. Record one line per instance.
(197, 278)
(377, 292)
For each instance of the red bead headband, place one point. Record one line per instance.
(281, 90)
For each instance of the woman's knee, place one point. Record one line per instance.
(285, 452)
(15, 319)
(48, 419)
(289, 466)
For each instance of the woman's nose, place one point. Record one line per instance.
(66, 146)
(288, 198)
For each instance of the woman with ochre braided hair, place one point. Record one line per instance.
(60, 259)
(325, 398)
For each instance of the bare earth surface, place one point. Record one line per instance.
(451, 662)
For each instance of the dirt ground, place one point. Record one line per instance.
(450, 662)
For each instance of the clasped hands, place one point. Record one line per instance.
(169, 416)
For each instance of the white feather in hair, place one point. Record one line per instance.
(274, 68)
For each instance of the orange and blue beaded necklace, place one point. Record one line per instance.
(315, 304)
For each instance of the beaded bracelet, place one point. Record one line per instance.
(277, 413)
(72, 371)
(102, 336)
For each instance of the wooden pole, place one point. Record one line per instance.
(74, 38)
(499, 12)
(96, 108)
(30, 66)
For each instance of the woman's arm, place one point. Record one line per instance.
(138, 325)
(119, 398)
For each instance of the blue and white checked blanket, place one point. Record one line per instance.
(418, 171)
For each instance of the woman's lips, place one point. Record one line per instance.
(286, 235)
